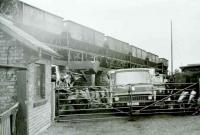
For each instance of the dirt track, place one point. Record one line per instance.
(148, 125)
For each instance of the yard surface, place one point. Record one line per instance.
(143, 125)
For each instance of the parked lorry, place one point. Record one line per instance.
(142, 87)
(135, 82)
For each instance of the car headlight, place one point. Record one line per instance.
(150, 97)
(116, 99)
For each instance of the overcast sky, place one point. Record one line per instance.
(144, 23)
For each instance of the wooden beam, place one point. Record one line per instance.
(59, 62)
(13, 66)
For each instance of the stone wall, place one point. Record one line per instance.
(8, 93)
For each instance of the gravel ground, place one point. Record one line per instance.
(146, 125)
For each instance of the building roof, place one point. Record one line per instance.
(28, 40)
(191, 66)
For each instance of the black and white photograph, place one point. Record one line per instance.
(99, 67)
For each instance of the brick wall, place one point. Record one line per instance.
(10, 50)
(8, 94)
(11, 53)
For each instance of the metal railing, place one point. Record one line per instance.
(8, 120)
(104, 102)
(185, 105)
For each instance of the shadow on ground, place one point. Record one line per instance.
(146, 125)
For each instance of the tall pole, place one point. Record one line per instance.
(172, 68)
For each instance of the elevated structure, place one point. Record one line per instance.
(78, 43)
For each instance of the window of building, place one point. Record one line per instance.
(39, 81)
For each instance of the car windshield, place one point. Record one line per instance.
(132, 77)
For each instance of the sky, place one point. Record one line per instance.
(143, 23)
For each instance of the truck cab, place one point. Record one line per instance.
(132, 87)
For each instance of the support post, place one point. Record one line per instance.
(93, 79)
(82, 57)
(58, 105)
(69, 56)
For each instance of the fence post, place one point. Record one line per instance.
(58, 107)
(199, 89)
(198, 100)
(53, 100)
(130, 93)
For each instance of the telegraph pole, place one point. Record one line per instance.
(172, 68)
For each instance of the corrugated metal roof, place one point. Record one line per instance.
(28, 40)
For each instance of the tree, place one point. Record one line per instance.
(8, 7)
